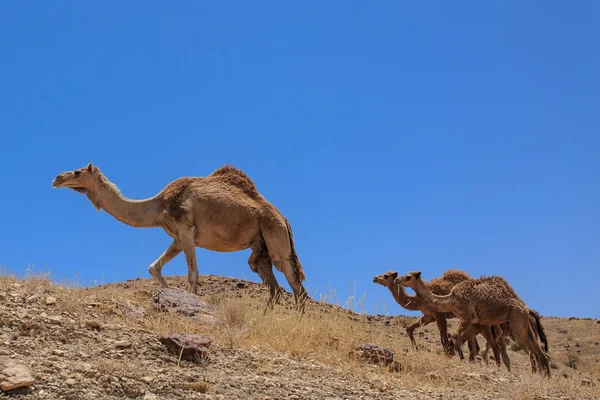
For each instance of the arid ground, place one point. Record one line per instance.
(102, 343)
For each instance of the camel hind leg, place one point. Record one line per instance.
(261, 263)
(519, 325)
(278, 239)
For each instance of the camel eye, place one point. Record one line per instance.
(77, 173)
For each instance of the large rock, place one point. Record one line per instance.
(195, 347)
(183, 302)
(378, 355)
(14, 375)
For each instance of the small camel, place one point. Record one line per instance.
(488, 301)
(440, 285)
(220, 212)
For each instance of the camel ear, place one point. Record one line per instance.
(394, 275)
(89, 167)
(417, 275)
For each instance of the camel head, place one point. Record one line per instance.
(386, 279)
(83, 180)
(408, 280)
(80, 180)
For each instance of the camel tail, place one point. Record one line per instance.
(540, 328)
(294, 257)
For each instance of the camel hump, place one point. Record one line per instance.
(455, 275)
(233, 176)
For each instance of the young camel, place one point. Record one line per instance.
(487, 301)
(440, 286)
(412, 303)
(221, 212)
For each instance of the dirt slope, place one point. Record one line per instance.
(102, 343)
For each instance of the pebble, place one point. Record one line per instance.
(121, 344)
(55, 319)
(71, 382)
(50, 300)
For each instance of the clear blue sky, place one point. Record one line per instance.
(393, 135)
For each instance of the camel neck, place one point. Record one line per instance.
(136, 213)
(433, 302)
(406, 301)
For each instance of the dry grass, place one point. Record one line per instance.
(328, 334)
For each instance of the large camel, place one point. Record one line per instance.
(221, 212)
(487, 301)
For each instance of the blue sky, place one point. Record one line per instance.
(393, 136)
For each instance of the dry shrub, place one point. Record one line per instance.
(231, 320)
(572, 361)
(200, 386)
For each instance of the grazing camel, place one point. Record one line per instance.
(487, 301)
(221, 212)
(440, 286)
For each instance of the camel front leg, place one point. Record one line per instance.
(155, 268)
(424, 320)
(188, 245)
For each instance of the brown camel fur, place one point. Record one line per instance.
(486, 300)
(221, 212)
(440, 286)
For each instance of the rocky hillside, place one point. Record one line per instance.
(132, 340)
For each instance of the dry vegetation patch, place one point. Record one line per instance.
(110, 350)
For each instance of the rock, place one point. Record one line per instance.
(479, 377)
(587, 382)
(183, 302)
(150, 396)
(50, 300)
(71, 382)
(92, 324)
(14, 375)
(58, 352)
(147, 379)
(4, 352)
(55, 319)
(131, 310)
(195, 347)
(378, 355)
(122, 344)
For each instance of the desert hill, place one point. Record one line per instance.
(112, 342)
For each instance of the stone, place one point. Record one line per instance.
(58, 352)
(377, 355)
(195, 347)
(185, 303)
(14, 375)
(150, 396)
(122, 344)
(147, 379)
(71, 382)
(478, 377)
(131, 310)
(55, 319)
(50, 300)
